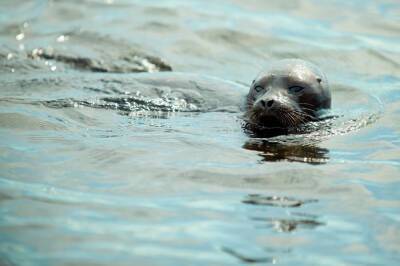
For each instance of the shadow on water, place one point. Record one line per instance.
(274, 151)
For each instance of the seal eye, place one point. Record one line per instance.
(295, 89)
(258, 88)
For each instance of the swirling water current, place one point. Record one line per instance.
(106, 161)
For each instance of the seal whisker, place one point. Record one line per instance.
(286, 119)
(291, 117)
(301, 118)
(306, 104)
(308, 109)
(297, 118)
(303, 113)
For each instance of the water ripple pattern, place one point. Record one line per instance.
(122, 139)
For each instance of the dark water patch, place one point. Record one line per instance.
(276, 201)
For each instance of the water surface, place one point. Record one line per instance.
(103, 164)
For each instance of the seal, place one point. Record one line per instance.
(287, 94)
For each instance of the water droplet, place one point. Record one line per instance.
(9, 56)
(62, 38)
(20, 36)
(12, 70)
(37, 52)
(53, 68)
(21, 46)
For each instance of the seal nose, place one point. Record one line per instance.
(267, 103)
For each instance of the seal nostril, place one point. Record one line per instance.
(270, 103)
(262, 102)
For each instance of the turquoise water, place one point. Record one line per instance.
(101, 164)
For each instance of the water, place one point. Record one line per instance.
(102, 165)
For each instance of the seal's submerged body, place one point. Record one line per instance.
(286, 95)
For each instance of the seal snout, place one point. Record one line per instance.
(267, 103)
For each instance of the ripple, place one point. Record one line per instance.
(289, 225)
(352, 110)
(276, 201)
(167, 92)
(247, 258)
(130, 62)
(126, 104)
(80, 51)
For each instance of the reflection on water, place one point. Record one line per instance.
(283, 225)
(246, 259)
(276, 201)
(288, 225)
(275, 151)
(270, 215)
(298, 220)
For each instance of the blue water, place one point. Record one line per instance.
(101, 164)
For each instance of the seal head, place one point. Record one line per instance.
(287, 94)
